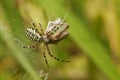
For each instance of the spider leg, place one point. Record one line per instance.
(23, 46)
(33, 23)
(45, 56)
(42, 31)
(58, 59)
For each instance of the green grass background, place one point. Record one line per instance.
(92, 46)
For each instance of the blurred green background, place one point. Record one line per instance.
(93, 44)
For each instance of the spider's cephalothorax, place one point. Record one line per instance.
(56, 30)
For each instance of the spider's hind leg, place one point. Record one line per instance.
(41, 28)
(56, 58)
(22, 45)
(45, 56)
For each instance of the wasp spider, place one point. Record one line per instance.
(55, 32)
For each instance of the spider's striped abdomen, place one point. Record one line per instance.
(33, 34)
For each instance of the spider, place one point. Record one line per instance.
(55, 32)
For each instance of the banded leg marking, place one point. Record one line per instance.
(23, 46)
(45, 56)
(56, 58)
